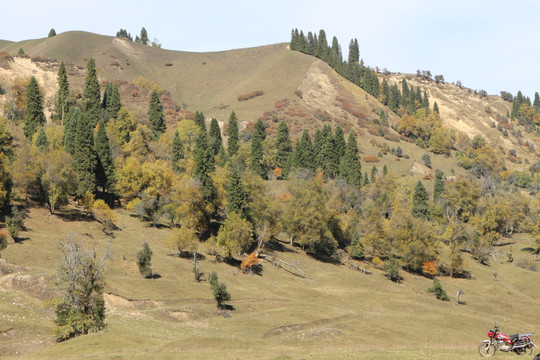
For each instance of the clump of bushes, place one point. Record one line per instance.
(251, 95)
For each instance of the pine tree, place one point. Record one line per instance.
(204, 165)
(404, 92)
(105, 162)
(156, 117)
(303, 152)
(177, 152)
(435, 107)
(114, 105)
(329, 158)
(283, 145)
(366, 179)
(536, 103)
(236, 195)
(340, 142)
(70, 130)
(42, 142)
(52, 33)
(33, 114)
(374, 174)
(352, 170)
(385, 92)
(144, 36)
(420, 201)
(199, 120)
(382, 118)
(232, 133)
(322, 51)
(354, 52)
(144, 261)
(216, 142)
(91, 94)
(438, 187)
(62, 96)
(84, 155)
(385, 170)
(318, 141)
(259, 134)
(106, 95)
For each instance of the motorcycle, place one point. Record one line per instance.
(521, 344)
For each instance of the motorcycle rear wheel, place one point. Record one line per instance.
(487, 349)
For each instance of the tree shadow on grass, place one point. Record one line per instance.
(73, 215)
(153, 276)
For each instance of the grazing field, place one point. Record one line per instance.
(335, 312)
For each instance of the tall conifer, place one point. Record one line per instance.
(33, 114)
(420, 201)
(91, 94)
(352, 170)
(236, 195)
(232, 133)
(85, 155)
(199, 120)
(216, 142)
(303, 152)
(156, 116)
(259, 134)
(204, 165)
(62, 96)
(105, 162)
(283, 145)
(177, 152)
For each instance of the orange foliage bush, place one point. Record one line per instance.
(430, 268)
(249, 262)
(282, 103)
(371, 159)
(251, 95)
(278, 173)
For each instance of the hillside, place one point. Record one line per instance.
(480, 231)
(336, 311)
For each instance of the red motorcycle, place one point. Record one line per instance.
(521, 344)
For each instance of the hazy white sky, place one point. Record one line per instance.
(491, 45)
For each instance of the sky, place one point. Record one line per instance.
(487, 45)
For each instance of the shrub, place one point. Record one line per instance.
(219, 290)
(249, 262)
(371, 159)
(392, 270)
(430, 268)
(439, 292)
(251, 95)
(144, 258)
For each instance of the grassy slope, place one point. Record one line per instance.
(336, 311)
(202, 81)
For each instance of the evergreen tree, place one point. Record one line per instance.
(354, 52)
(374, 173)
(425, 100)
(236, 195)
(259, 134)
(536, 103)
(91, 94)
(435, 107)
(420, 201)
(232, 133)
(52, 33)
(283, 145)
(62, 96)
(144, 36)
(385, 92)
(42, 142)
(438, 187)
(204, 165)
(106, 95)
(156, 117)
(199, 120)
(70, 130)
(404, 92)
(384, 170)
(114, 102)
(382, 118)
(329, 159)
(352, 170)
(318, 141)
(340, 142)
(366, 179)
(216, 142)
(84, 155)
(177, 152)
(322, 51)
(33, 114)
(303, 152)
(105, 162)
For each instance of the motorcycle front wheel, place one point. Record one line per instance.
(487, 349)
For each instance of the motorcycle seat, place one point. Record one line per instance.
(513, 337)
